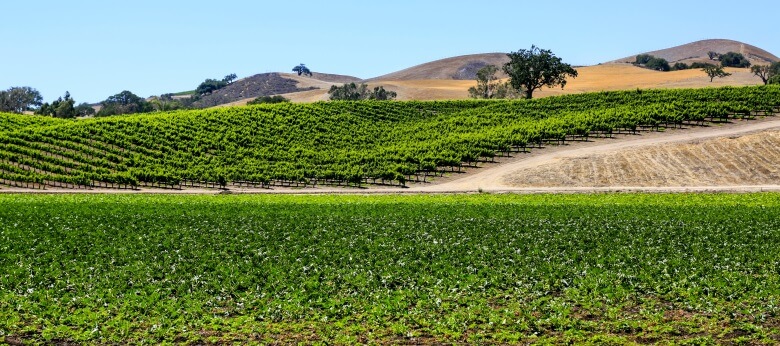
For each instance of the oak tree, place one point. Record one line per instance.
(534, 68)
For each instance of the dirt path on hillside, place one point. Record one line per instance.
(509, 174)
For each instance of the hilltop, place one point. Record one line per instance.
(697, 52)
(450, 78)
(462, 67)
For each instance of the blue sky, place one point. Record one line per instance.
(95, 49)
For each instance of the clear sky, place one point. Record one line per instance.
(97, 48)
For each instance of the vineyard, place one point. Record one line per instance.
(338, 143)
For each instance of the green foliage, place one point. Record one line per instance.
(732, 59)
(534, 68)
(652, 62)
(642, 59)
(124, 103)
(380, 94)
(229, 78)
(658, 64)
(355, 92)
(774, 80)
(165, 102)
(680, 66)
(700, 65)
(15, 122)
(444, 269)
(85, 109)
(766, 72)
(60, 108)
(761, 71)
(489, 86)
(347, 143)
(268, 99)
(774, 68)
(302, 70)
(20, 99)
(715, 71)
(713, 55)
(209, 86)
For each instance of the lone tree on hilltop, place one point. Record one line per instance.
(534, 68)
(715, 71)
(302, 70)
(229, 78)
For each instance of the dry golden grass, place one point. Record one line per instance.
(727, 161)
(605, 77)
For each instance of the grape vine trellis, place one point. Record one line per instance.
(338, 143)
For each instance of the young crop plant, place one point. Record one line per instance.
(414, 269)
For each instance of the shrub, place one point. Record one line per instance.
(732, 59)
(268, 99)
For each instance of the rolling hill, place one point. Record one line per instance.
(371, 142)
(450, 78)
(463, 67)
(697, 52)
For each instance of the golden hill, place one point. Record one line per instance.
(697, 51)
(450, 78)
(603, 77)
(462, 67)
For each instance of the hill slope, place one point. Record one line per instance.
(725, 161)
(456, 68)
(605, 77)
(267, 84)
(697, 51)
(336, 142)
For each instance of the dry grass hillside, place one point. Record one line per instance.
(735, 160)
(463, 67)
(603, 77)
(697, 51)
(450, 78)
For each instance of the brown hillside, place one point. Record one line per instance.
(331, 78)
(697, 51)
(456, 68)
(603, 77)
(726, 161)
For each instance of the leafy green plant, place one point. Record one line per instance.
(374, 269)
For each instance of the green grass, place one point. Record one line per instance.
(598, 269)
(185, 93)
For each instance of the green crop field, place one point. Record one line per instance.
(603, 269)
(344, 143)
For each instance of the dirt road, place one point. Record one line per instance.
(504, 177)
